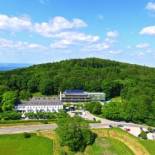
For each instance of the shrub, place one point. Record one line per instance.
(150, 129)
(10, 115)
(45, 121)
(27, 135)
(143, 135)
(94, 107)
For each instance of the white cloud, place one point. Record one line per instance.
(62, 44)
(58, 24)
(66, 39)
(97, 47)
(112, 34)
(143, 45)
(47, 29)
(5, 43)
(14, 23)
(150, 30)
(77, 36)
(150, 6)
(110, 39)
(140, 54)
(115, 51)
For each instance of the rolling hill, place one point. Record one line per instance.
(134, 83)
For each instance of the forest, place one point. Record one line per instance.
(135, 84)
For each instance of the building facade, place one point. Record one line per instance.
(40, 105)
(81, 96)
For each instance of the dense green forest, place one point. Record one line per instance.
(135, 84)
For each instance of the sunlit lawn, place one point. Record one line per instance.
(18, 145)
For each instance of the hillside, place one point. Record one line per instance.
(135, 84)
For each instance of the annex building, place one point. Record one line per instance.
(81, 96)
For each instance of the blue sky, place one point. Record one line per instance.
(39, 31)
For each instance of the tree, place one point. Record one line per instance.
(24, 95)
(8, 100)
(143, 135)
(112, 88)
(32, 85)
(94, 107)
(114, 111)
(2, 91)
(74, 134)
(46, 87)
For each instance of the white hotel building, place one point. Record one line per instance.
(42, 104)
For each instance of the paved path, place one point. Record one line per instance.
(105, 122)
(26, 128)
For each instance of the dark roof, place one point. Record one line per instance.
(75, 92)
(41, 102)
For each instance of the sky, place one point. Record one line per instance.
(40, 31)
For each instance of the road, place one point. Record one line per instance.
(134, 129)
(106, 122)
(26, 128)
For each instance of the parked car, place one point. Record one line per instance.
(127, 129)
(120, 125)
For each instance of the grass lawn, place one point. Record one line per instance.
(24, 122)
(117, 99)
(149, 145)
(138, 146)
(108, 146)
(105, 146)
(18, 145)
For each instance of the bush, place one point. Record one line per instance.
(143, 135)
(150, 129)
(10, 115)
(89, 137)
(45, 121)
(63, 152)
(27, 135)
(94, 107)
(41, 115)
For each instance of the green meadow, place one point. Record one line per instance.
(18, 145)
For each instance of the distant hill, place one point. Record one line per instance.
(10, 66)
(134, 83)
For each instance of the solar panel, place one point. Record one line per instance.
(73, 91)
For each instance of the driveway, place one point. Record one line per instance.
(26, 128)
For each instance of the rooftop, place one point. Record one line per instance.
(41, 101)
(75, 92)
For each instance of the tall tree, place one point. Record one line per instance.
(8, 100)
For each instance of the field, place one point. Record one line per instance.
(149, 145)
(109, 141)
(18, 145)
(138, 146)
(108, 146)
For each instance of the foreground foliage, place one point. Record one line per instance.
(74, 133)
